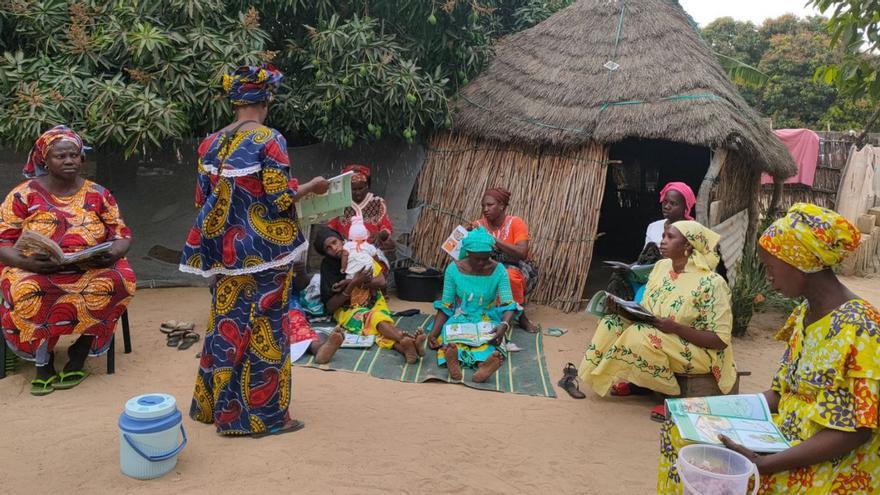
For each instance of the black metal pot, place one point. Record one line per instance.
(418, 286)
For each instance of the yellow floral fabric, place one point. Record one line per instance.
(829, 377)
(704, 242)
(642, 355)
(810, 238)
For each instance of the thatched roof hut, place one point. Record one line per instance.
(596, 74)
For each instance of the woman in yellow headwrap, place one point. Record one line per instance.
(690, 332)
(826, 394)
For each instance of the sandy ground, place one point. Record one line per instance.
(362, 435)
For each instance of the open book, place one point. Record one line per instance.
(472, 334)
(31, 242)
(745, 419)
(633, 311)
(634, 273)
(358, 341)
(320, 208)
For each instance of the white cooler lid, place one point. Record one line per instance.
(150, 406)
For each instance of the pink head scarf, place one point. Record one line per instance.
(685, 190)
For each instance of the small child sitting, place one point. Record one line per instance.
(358, 255)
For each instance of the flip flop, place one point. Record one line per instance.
(620, 389)
(43, 387)
(555, 332)
(69, 379)
(189, 338)
(292, 426)
(658, 413)
(170, 326)
(173, 339)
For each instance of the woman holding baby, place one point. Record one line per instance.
(356, 302)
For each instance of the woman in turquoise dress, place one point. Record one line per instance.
(475, 290)
(245, 241)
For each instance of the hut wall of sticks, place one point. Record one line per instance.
(834, 149)
(556, 98)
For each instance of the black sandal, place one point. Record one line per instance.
(187, 340)
(569, 382)
(174, 337)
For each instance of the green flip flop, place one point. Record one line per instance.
(43, 387)
(70, 379)
(555, 332)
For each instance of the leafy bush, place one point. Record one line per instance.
(136, 75)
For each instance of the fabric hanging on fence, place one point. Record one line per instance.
(803, 146)
(856, 192)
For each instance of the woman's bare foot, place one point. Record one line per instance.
(488, 367)
(407, 347)
(420, 342)
(328, 349)
(452, 364)
(527, 324)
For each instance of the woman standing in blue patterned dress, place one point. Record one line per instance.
(246, 238)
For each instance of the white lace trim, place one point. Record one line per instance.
(232, 172)
(248, 270)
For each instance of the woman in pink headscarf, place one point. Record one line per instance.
(677, 200)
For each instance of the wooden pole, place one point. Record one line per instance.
(704, 196)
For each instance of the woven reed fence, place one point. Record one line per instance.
(833, 152)
(558, 194)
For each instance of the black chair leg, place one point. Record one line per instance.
(111, 356)
(126, 333)
(2, 357)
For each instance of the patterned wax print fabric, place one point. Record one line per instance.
(642, 355)
(247, 222)
(364, 319)
(252, 84)
(40, 308)
(522, 274)
(829, 377)
(374, 212)
(473, 299)
(243, 382)
(810, 238)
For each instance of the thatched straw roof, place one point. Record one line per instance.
(549, 85)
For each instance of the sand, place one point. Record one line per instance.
(362, 435)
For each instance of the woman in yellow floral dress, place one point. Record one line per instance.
(825, 395)
(691, 330)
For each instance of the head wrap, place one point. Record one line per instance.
(36, 163)
(321, 237)
(250, 84)
(810, 238)
(478, 240)
(685, 190)
(361, 173)
(704, 242)
(500, 194)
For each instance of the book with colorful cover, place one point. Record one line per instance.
(745, 419)
(320, 208)
(354, 341)
(452, 244)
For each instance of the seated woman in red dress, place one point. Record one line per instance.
(366, 204)
(42, 299)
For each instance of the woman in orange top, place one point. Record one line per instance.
(511, 247)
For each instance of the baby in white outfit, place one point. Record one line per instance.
(357, 253)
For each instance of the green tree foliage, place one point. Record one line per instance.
(790, 50)
(137, 74)
(855, 28)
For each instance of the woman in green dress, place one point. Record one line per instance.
(475, 290)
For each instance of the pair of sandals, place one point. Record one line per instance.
(64, 380)
(179, 334)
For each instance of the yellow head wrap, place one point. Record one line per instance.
(704, 242)
(810, 238)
